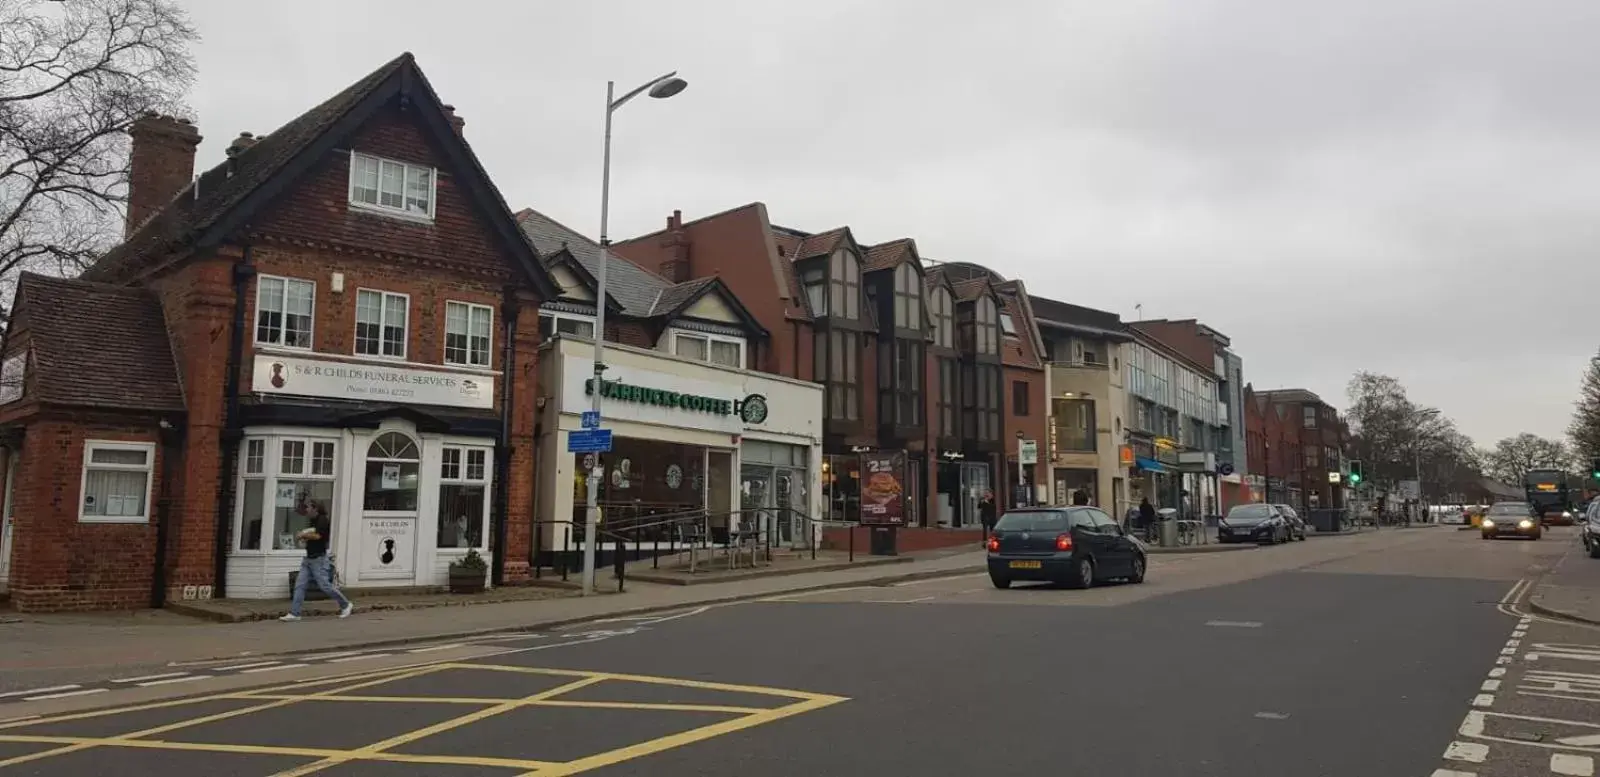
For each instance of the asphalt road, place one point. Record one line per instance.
(1343, 656)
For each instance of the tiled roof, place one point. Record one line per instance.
(220, 191)
(676, 296)
(98, 345)
(885, 255)
(820, 244)
(632, 286)
(970, 290)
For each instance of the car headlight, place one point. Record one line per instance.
(1488, 524)
(1525, 524)
(1566, 514)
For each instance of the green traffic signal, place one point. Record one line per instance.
(1594, 468)
(1356, 476)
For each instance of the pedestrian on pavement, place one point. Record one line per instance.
(986, 513)
(1147, 516)
(316, 566)
(1080, 498)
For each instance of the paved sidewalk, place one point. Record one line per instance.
(1572, 588)
(34, 642)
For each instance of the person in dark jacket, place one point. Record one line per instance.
(1080, 498)
(316, 567)
(986, 513)
(1147, 515)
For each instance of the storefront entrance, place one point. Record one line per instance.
(386, 545)
(774, 500)
(962, 486)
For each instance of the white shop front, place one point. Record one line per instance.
(744, 447)
(401, 456)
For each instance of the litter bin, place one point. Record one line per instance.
(1168, 532)
(881, 541)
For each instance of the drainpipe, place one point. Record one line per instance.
(171, 450)
(243, 272)
(508, 402)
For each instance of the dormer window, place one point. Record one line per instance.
(988, 336)
(815, 282)
(907, 298)
(844, 286)
(390, 187)
(552, 325)
(1008, 326)
(942, 310)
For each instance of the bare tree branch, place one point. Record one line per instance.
(74, 74)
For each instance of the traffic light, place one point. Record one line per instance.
(1356, 475)
(1594, 468)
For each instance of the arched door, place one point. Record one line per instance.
(386, 549)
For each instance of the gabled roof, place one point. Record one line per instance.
(1290, 395)
(97, 345)
(223, 199)
(884, 256)
(677, 299)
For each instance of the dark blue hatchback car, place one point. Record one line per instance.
(1073, 546)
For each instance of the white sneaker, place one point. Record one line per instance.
(290, 618)
(349, 607)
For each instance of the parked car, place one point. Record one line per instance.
(1073, 546)
(1297, 525)
(1511, 519)
(1591, 529)
(1257, 522)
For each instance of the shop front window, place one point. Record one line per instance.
(644, 481)
(394, 468)
(283, 481)
(841, 487)
(463, 497)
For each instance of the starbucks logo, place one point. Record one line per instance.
(753, 410)
(674, 476)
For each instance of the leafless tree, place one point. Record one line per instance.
(73, 75)
(1395, 438)
(1513, 457)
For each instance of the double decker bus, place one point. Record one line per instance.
(1550, 495)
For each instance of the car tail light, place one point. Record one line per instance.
(1063, 542)
(994, 545)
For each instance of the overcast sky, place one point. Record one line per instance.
(1391, 185)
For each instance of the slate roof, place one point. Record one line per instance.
(129, 364)
(677, 296)
(885, 255)
(1078, 319)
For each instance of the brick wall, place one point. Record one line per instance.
(58, 562)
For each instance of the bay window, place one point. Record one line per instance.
(463, 497)
(839, 351)
(949, 392)
(844, 289)
(980, 396)
(908, 383)
(907, 298)
(280, 478)
(467, 334)
(381, 319)
(116, 482)
(986, 334)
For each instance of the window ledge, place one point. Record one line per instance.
(391, 213)
(115, 520)
(383, 361)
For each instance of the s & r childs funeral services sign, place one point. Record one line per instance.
(400, 384)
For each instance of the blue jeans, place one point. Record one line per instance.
(315, 569)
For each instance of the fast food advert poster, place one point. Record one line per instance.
(882, 487)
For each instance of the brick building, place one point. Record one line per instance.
(919, 364)
(1277, 469)
(343, 312)
(1321, 437)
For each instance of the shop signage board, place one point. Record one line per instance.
(682, 396)
(388, 548)
(361, 381)
(883, 477)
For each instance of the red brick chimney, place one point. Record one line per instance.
(675, 250)
(161, 162)
(455, 121)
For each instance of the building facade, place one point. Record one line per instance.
(1322, 435)
(1204, 345)
(342, 316)
(1087, 439)
(1175, 425)
(1273, 436)
(923, 366)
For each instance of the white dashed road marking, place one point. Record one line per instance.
(1483, 700)
(1574, 765)
(1471, 752)
(33, 691)
(148, 677)
(84, 692)
(272, 668)
(362, 657)
(188, 679)
(1236, 624)
(1451, 773)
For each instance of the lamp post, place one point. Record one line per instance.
(659, 88)
(1416, 457)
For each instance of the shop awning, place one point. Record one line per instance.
(1151, 465)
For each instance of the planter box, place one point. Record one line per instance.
(467, 581)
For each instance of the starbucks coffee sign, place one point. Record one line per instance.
(752, 409)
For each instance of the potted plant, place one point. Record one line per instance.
(467, 574)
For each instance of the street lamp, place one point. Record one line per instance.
(660, 88)
(1416, 453)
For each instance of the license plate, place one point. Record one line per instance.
(1241, 531)
(1026, 565)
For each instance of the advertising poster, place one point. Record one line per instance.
(883, 477)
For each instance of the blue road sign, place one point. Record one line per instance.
(591, 419)
(589, 441)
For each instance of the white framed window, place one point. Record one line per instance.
(283, 481)
(284, 311)
(116, 481)
(1007, 324)
(552, 324)
(468, 333)
(381, 323)
(387, 186)
(717, 349)
(464, 478)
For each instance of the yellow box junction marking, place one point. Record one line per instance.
(294, 693)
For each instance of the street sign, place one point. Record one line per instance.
(1028, 451)
(591, 419)
(1334, 477)
(1410, 489)
(589, 441)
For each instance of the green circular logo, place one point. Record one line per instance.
(753, 410)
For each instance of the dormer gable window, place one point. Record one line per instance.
(987, 326)
(907, 298)
(941, 309)
(391, 188)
